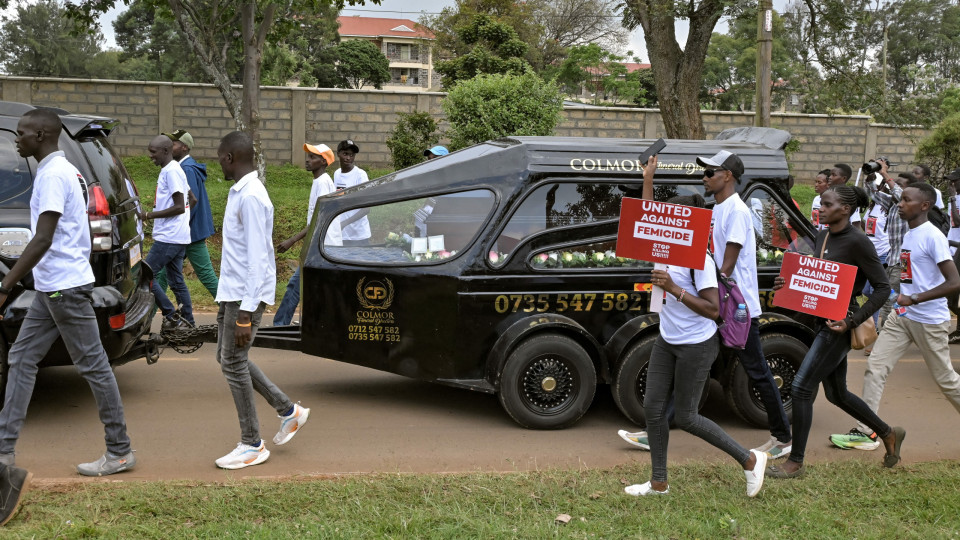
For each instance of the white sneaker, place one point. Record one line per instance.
(755, 476)
(642, 490)
(289, 425)
(775, 449)
(638, 438)
(244, 455)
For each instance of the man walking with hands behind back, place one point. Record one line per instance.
(59, 256)
(734, 250)
(248, 282)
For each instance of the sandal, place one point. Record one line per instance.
(889, 460)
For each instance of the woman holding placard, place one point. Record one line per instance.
(680, 363)
(826, 361)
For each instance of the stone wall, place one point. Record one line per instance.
(291, 116)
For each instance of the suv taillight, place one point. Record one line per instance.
(101, 227)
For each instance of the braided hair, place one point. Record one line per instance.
(852, 196)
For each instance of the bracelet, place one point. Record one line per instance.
(4, 290)
(680, 298)
(248, 325)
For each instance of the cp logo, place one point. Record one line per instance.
(375, 294)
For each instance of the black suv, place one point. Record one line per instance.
(494, 269)
(121, 294)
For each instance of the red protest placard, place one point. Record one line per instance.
(663, 233)
(815, 286)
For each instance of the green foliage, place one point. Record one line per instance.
(362, 63)
(492, 106)
(941, 149)
(39, 40)
(494, 47)
(603, 73)
(414, 133)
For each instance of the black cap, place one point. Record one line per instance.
(953, 175)
(348, 144)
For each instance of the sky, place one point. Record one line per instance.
(400, 9)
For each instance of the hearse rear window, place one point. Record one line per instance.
(563, 204)
(419, 231)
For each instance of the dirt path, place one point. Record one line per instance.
(181, 417)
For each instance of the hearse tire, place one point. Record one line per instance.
(629, 385)
(548, 382)
(784, 355)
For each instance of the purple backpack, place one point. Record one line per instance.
(733, 333)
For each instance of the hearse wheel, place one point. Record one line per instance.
(784, 355)
(548, 382)
(630, 384)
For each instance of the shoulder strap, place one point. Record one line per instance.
(824, 246)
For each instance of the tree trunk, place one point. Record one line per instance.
(253, 41)
(677, 73)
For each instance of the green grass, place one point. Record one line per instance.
(289, 189)
(850, 499)
(804, 196)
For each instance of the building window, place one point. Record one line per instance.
(403, 52)
(405, 76)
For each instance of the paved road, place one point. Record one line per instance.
(181, 417)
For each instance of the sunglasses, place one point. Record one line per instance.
(710, 172)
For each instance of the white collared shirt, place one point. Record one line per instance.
(56, 188)
(248, 271)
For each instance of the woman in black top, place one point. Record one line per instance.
(826, 361)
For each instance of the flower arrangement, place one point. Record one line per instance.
(396, 240)
(431, 256)
(495, 257)
(584, 259)
(769, 256)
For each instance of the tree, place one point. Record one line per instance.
(211, 29)
(494, 47)
(566, 23)
(362, 63)
(677, 71)
(414, 133)
(493, 106)
(41, 41)
(146, 32)
(941, 149)
(601, 71)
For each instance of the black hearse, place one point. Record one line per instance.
(493, 269)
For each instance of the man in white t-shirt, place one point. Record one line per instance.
(171, 234)
(354, 223)
(734, 250)
(319, 156)
(840, 174)
(59, 257)
(820, 185)
(927, 276)
(953, 238)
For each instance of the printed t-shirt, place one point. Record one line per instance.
(732, 223)
(176, 229)
(815, 214)
(923, 249)
(680, 325)
(875, 226)
(66, 264)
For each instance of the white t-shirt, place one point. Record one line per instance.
(57, 189)
(876, 228)
(360, 229)
(940, 199)
(176, 229)
(815, 214)
(923, 249)
(954, 233)
(732, 223)
(680, 325)
(323, 185)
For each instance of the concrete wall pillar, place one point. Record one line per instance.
(165, 108)
(298, 124)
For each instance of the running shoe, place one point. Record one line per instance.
(855, 440)
(291, 424)
(638, 438)
(244, 455)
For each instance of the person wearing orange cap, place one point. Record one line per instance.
(319, 157)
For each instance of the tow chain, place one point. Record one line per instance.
(187, 340)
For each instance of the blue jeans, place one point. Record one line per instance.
(756, 367)
(169, 257)
(291, 298)
(678, 373)
(68, 315)
(243, 376)
(826, 362)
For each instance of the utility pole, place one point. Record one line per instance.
(764, 60)
(885, 34)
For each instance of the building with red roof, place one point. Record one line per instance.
(405, 43)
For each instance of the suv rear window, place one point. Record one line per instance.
(97, 163)
(15, 180)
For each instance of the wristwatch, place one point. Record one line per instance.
(915, 298)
